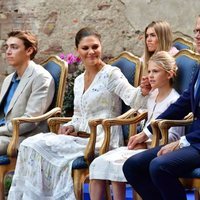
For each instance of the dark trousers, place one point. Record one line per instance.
(156, 178)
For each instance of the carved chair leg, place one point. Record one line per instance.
(79, 176)
(2, 194)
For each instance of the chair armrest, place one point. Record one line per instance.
(165, 125)
(133, 119)
(89, 153)
(130, 113)
(12, 147)
(55, 122)
(155, 132)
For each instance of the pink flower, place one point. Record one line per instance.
(70, 58)
(62, 56)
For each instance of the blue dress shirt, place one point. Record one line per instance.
(13, 85)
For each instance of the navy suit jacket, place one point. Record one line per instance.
(185, 104)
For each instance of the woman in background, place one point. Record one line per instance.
(158, 37)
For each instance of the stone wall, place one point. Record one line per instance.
(120, 22)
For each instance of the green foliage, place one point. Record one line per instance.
(8, 182)
(68, 104)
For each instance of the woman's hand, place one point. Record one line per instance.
(66, 130)
(169, 148)
(145, 85)
(137, 140)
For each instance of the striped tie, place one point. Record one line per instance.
(197, 85)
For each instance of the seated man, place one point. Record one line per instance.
(27, 92)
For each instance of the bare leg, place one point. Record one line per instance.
(97, 189)
(119, 190)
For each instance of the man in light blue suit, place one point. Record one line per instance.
(26, 92)
(155, 173)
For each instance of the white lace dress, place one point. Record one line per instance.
(44, 161)
(109, 165)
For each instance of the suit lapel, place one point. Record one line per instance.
(197, 97)
(22, 84)
(5, 89)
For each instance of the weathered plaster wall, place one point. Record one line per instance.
(120, 22)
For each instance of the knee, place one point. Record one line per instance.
(156, 167)
(131, 165)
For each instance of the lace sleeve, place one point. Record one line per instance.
(130, 95)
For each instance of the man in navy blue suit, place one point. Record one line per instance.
(154, 173)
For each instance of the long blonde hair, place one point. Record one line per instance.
(165, 38)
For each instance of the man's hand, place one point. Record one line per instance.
(145, 86)
(66, 130)
(136, 140)
(169, 148)
(142, 145)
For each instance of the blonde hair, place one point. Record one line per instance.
(165, 38)
(167, 62)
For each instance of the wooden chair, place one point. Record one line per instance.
(130, 65)
(191, 180)
(58, 70)
(183, 43)
(188, 63)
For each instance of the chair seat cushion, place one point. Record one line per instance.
(79, 163)
(4, 160)
(193, 174)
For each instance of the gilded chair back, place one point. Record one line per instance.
(58, 69)
(183, 43)
(187, 62)
(131, 67)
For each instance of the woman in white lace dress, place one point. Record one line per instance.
(43, 169)
(161, 70)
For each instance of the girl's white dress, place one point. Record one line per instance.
(44, 161)
(109, 165)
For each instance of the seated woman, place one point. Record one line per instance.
(158, 37)
(44, 161)
(161, 71)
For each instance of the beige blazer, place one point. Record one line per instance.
(32, 97)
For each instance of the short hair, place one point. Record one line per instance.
(85, 32)
(165, 61)
(165, 38)
(28, 39)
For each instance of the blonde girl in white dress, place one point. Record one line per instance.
(161, 71)
(43, 169)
